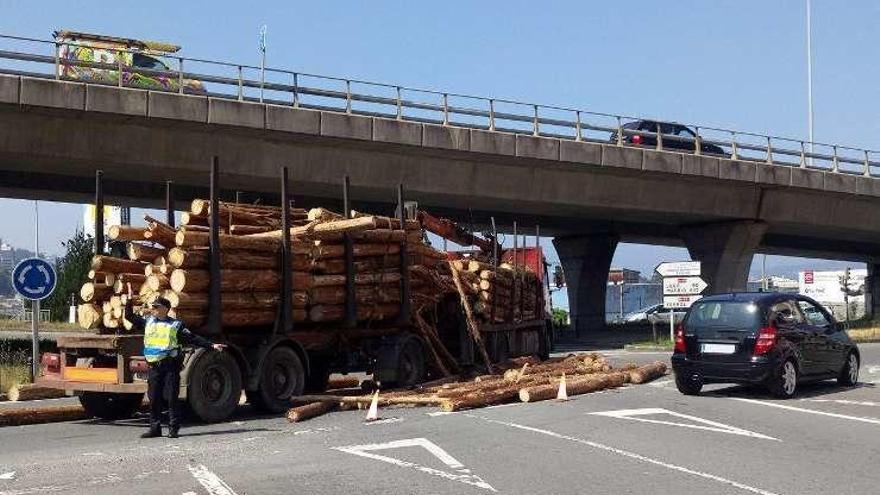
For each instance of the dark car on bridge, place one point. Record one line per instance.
(773, 339)
(675, 136)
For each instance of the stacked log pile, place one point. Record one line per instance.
(504, 294)
(524, 379)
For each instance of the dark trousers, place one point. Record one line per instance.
(164, 387)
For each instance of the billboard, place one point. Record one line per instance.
(112, 216)
(825, 286)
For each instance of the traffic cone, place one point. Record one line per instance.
(373, 412)
(563, 391)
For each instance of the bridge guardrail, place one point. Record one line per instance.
(311, 91)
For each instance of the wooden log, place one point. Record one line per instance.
(481, 399)
(308, 411)
(109, 321)
(573, 387)
(229, 318)
(88, 316)
(39, 415)
(159, 232)
(323, 215)
(472, 325)
(102, 263)
(248, 229)
(336, 383)
(233, 300)
(359, 250)
(332, 229)
(198, 258)
(648, 372)
(384, 400)
(91, 291)
(255, 242)
(232, 213)
(157, 282)
(125, 233)
(142, 252)
(328, 312)
(336, 294)
(360, 279)
(235, 280)
(374, 236)
(32, 391)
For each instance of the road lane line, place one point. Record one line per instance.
(210, 481)
(873, 421)
(703, 424)
(632, 455)
(846, 402)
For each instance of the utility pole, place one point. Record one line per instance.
(35, 305)
(810, 76)
(263, 30)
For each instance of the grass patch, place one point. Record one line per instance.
(12, 374)
(7, 325)
(871, 334)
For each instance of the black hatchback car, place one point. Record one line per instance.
(773, 339)
(675, 136)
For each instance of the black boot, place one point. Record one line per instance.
(155, 431)
(173, 432)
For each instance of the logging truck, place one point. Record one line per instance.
(238, 277)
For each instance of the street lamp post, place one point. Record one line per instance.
(810, 77)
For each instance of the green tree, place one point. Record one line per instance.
(6, 283)
(560, 318)
(73, 269)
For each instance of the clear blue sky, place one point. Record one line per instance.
(736, 64)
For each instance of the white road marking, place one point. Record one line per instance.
(462, 475)
(8, 476)
(873, 421)
(633, 455)
(210, 481)
(847, 402)
(873, 369)
(704, 424)
(188, 493)
(660, 383)
(439, 413)
(323, 429)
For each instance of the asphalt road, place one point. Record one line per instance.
(646, 439)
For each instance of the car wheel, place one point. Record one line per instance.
(849, 375)
(688, 385)
(783, 383)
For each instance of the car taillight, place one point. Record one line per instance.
(679, 339)
(766, 341)
(636, 139)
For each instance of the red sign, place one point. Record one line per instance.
(808, 277)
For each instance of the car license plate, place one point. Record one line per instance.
(718, 348)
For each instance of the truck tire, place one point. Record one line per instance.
(281, 378)
(110, 406)
(214, 387)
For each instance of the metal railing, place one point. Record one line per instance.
(311, 91)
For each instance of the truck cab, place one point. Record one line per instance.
(100, 59)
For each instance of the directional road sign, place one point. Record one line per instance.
(679, 269)
(680, 302)
(675, 286)
(34, 279)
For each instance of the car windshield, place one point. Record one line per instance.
(148, 62)
(723, 315)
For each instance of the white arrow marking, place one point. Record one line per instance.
(42, 269)
(448, 460)
(210, 481)
(679, 269)
(23, 275)
(8, 476)
(705, 424)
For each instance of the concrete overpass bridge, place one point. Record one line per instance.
(535, 164)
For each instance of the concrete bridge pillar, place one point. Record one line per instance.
(726, 250)
(586, 260)
(872, 290)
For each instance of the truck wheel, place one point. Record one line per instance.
(411, 364)
(214, 387)
(107, 405)
(281, 378)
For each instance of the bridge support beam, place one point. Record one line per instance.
(872, 290)
(586, 260)
(726, 250)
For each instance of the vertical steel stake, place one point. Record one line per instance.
(215, 321)
(99, 212)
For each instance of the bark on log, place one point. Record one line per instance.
(233, 300)
(234, 319)
(359, 279)
(308, 411)
(337, 383)
(323, 215)
(142, 252)
(91, 291)
(248, 229)
(39, 415)
(573, 387)
(159, 232)
(102, 263)
(338, 250)
(32, 391)
(125, 233)
(472, 326)
(327, 312)
(419, 400)
(234, 280)
(157, 282)
(198, 258)
(256, 242)
(365, 294)
(88, 316)
(646, 373)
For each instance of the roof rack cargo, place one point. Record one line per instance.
(151, 46)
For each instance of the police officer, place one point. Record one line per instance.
(163, 338)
